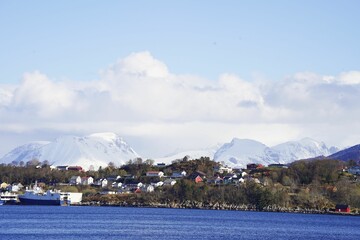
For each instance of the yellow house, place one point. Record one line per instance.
(4, 185)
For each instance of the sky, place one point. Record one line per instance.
(179, 75)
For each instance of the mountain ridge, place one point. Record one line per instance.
(347, 154)
(91, 151)
(98, 149)
(233, 154)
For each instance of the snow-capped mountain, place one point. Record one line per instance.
(94, 150)
(302, 149)
(23, 153)
(99, 149)
(240, 152)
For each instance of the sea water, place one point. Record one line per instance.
(52, 222)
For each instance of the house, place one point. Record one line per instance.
(215, 180)
(102, 182)
(75, 180)
(342, 208)
(222, 169)
(158, 184)
(161, 165)
(178, 174)
(198, 179)
(237, 170)
(154, 174)
(87, 180)
(169, 182)
(278, 165)
(15, 187)
(256, 180)
(147, 188)
(62, 168)
(198, 176)
(107, 192)
(230, 178)
(354, 170)
(132, 183)
(117, 184)
(254, 166)
(3, 185)
(75, 168)
(137, 190)
(113, 178)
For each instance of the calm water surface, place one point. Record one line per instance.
(49, 222)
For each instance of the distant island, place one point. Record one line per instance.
(317, 185)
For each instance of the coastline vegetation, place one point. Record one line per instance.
(306, 185)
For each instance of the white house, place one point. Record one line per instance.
(15, 187)
(221, 169)
(169, 182)
(147, 188)
(75, 180)
(87, 180)
(116, 184)
(155, 174)
(178, 174)
(134, 184)
(102, 182)
(158, 184)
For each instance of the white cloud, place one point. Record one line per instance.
(139, 98)
(141, 64)
(39, 95)
(5, 97)
(352, 77)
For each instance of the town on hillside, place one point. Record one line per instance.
(320, 185)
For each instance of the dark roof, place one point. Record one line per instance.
(342, 206)
(200, 173)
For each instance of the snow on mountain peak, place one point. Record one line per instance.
(99, 149)
(24, 152)
(108, 136)
(94, 150)
(240, 152)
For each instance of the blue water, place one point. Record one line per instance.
(52, 222)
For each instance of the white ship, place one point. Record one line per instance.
(36, 196)
(8, 198)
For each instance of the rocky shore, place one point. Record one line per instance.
(218, 206)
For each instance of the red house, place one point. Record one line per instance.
(197, 176)
(342, 208)
(198, 179)
(75, 168)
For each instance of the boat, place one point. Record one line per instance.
(37, 196)
(8, 198)
(33, 197)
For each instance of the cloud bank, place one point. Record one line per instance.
(139, 98)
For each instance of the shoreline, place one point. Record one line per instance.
(224, 207)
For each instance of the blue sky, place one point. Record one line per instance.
(172, 75)
(272, 39)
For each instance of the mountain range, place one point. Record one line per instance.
(240, 152)
(99, 149)
(89, 152)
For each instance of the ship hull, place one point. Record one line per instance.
(50, 202)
